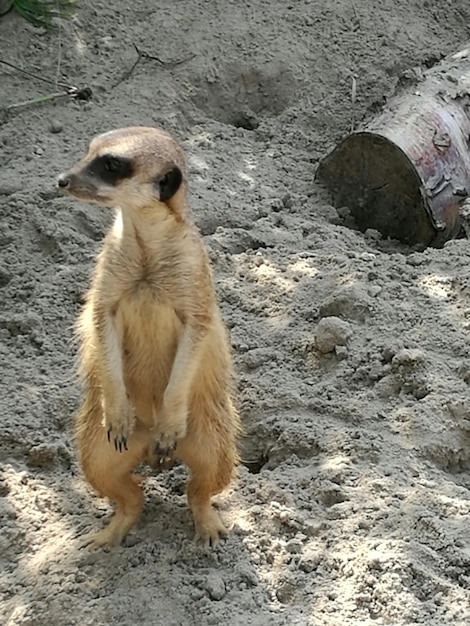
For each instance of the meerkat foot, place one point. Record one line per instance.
(208, 525)
(111, 535)
(100, 539)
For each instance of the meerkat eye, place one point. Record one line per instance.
(110, 169)
(169, 183)
(112, 164)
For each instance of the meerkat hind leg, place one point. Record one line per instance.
(211, 470)
(129, 498)
(109, 472)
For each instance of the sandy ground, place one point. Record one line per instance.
(352, 504)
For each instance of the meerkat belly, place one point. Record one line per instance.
(150, 330)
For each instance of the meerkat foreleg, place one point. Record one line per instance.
(118, 413)
(171, 420)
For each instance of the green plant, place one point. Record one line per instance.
(42, 12)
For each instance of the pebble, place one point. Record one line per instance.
(215, 587)
(43, 455)
(311, 527)
(247, 574)
(8, 188)
(294, 546)
(331, 332)
(285, 592)
(257, 356)
(56, 126)
(351, 301)
(310, 562)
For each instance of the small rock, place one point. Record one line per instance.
(310, 561)
(331, 332)
(130, 541)
(415, 259)
(341, 352)
(311, 527)
(330, 494)
(256, 357)
(215, 587)
(294, 546)
(247, 574)
(43, 455)
(7, 510)
(388, 386)
(56, 126)
(7, 188)
(285, 592)
(371, 233)
(287, 201)
(408, 358)
(351, 301)
(277, 205)
(374, 290)
(5, 278)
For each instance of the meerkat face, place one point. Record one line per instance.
(131, 168)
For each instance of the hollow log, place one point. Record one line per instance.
(407, 172)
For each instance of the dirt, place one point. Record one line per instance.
(352, 352)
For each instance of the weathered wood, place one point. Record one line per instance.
(408, 171)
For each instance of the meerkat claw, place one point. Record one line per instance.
(163, 451)
(164, 456)
(120, 443)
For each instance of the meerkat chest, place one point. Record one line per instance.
(148, 320)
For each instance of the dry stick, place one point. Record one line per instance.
(144, 55)
(353, 102)
(355, 12)
(59, 48)
(72, 92)
(35, 76)
(39, 99)
(128, 72)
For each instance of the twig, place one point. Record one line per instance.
(35, 76)
(59, 55)
(353, 102)
(37, 100)
(129, 72)
(144, 55)
(355, 12)
(71, 92)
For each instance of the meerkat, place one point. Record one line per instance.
(154, 355)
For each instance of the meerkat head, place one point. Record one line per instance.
(131, 168)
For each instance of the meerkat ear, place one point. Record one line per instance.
(169, 183)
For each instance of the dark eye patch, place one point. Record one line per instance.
(110, 169)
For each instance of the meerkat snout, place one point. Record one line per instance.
(63, 181)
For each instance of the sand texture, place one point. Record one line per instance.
(352, 352)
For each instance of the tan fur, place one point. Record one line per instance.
(154, 355)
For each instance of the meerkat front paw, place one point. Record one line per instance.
(119, 422)
(170, 427)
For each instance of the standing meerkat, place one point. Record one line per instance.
(154, 353)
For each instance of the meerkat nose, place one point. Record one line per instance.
(63, 181)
